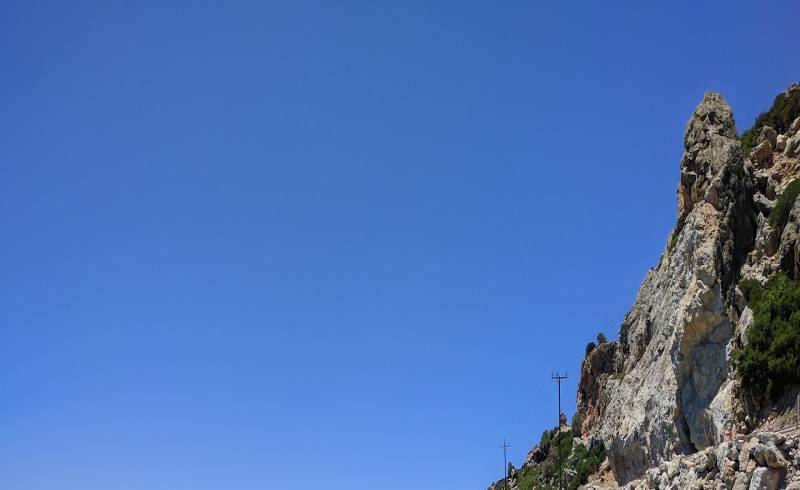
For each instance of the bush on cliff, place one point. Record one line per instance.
(748, 287)
(673, 239)
(770, 360)
(784, 110)
(586, 461)
(577, 423)
(561, 455)
(780, 213)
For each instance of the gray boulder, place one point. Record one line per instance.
(761, 155)
(792, 145)
(765, 479)
(774, 457)
(794, 127)
(741, 482)
(780, 142)
(763, 204)
(768, 134)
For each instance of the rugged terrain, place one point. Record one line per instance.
(668, 390)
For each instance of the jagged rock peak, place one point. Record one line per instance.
(712, 116)
(712, 119)
(670, 391)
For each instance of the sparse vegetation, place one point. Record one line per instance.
(771, 358)
(577, 422)
(561, 456)
(748, 287)
(601, 338)
(780, 213)
(589, 348)
(673, 239)
(586, 461)
(619, 373)
(784, 110)
(528, 477)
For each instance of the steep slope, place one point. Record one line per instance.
(665, 403)
(668, 386)
(672, 352)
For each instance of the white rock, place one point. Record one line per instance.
(673, 467)
(681, 305)
(761, 155)
(780, 142)
(765, 479)
(768, 134)
(792, 145)
(794, 127)
(742, 482)
(773, 457)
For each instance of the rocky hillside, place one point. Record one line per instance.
(682, 378)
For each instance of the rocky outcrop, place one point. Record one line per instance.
(712, 119)
(789, 248)
(672, 394)
(765, 460)
(776, 248)
(664, 399)
(672, 389)
(596, 369)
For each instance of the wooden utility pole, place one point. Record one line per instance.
(558, 377)
(505, 463)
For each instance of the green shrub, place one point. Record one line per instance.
(619, 373)
(749, 139)
(749, 288)
(589, 348)
(673, 239)
(559, 456)
(784, 110)
(560, 449)
(528, 477)
(601, 338)
(771, 358)
(577, 423)
(544, 442)
(780, 213)
(586, 461)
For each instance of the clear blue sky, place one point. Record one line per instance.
(333, 245)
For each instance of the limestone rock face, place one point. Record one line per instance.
(672, 390)
(789, 249)
(762, 155)
(768, 134)
(664, 399)
(595, 371)
(667, 388)
(712, 119)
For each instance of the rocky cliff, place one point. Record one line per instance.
(665, 406)
(667, 386)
